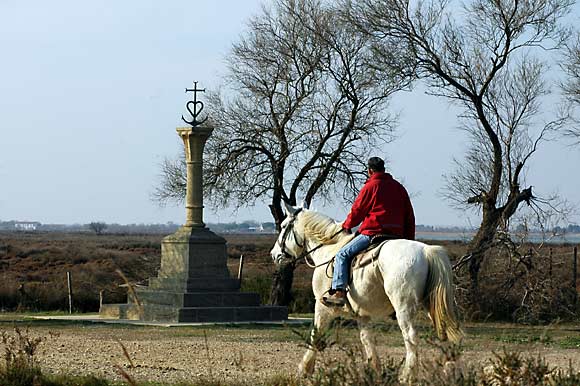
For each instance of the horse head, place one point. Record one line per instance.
(289, 244)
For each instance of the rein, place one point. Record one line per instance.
(289, 229)
(307, 253)
(304, 254)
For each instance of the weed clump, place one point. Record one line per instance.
(352, 370)
(445, 368)
(20, 367)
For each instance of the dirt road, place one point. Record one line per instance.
(252, 353)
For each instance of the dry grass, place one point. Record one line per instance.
(39, 261)
(34, 268)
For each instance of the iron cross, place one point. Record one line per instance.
(196, 111)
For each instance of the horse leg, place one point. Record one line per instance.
(368, 341)
(406, 317)
(322, 319)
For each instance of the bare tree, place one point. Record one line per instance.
(482, 59)
(571, 86)
(303, 109)
(98, 227)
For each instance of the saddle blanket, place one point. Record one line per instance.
(372, 252)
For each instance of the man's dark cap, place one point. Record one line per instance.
(376, 164)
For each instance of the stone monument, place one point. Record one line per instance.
(193, 283)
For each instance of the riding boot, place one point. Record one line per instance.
(336, 299)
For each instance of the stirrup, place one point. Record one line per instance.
(334, 301)
(331, 302)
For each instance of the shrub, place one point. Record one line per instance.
(526, 285)
(20, 367)
(303, 301)
(261, 285)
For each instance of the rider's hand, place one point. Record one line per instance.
(347, 231)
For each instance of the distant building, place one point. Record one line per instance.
(268, 227)
(26, 226)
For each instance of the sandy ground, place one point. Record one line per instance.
(168, 354)
(251, 353)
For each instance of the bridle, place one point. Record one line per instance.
(305, 253)
(286, 232)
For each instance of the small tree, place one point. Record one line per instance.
(98, 227)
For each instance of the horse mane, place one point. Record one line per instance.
(320, 227)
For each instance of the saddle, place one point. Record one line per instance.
(362, 259)
(378, 239)
(372, 252)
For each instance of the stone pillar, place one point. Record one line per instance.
(194, 141)
(194, 257)
(193, 283)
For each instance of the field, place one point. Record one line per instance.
(34, 266)
(537, 287)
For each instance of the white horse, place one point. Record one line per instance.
(406, 277)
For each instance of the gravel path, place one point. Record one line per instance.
(166, 354)
(229, 353)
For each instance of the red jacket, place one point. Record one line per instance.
(383, 206)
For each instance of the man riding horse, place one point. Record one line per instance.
(384, 208)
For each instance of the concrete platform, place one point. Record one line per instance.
(95, 318)
(176, 314)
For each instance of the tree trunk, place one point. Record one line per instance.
(281, 291)
(480, 244)
(490, 222)
(277, 214)
(281, 294)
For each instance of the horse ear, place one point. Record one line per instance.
(289, 209)
(304, 205)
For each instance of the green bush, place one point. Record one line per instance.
(259, 284)
(302, 298)
(303, 301)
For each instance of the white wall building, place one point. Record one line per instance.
(26, 226)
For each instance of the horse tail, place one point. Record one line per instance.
(439, 295)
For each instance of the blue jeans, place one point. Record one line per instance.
(340, 276)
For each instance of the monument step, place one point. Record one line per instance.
(153, 313)
(197, 284)
(196, 299)
(234, 314)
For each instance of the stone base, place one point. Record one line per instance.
(197, 284)
(190, 254)
(190, 307)
(193, 285)
(158, 313)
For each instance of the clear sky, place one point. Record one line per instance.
(91, 93)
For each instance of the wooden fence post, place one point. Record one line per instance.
(575, 274)
(241, 268)
(70, 295)
(21, 297)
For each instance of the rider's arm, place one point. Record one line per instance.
(359, 209)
